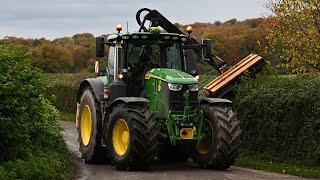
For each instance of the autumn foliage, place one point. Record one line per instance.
(290, 40)
(232, 41)
(67, 54)
(295, 35)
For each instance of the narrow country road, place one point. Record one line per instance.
(177, 171)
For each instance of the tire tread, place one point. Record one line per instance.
(228, 131)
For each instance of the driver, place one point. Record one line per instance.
(141, 66)
(144, 60)
(144, 57)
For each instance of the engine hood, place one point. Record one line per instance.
(171, 76)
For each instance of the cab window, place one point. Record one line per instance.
(166, 54)
(111, 60)
(173, 59)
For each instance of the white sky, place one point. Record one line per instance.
(59, 18)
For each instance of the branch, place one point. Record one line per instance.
(317, 9)
(298, 23)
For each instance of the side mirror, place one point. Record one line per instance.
(190, 62)
(206, 50)
(100, 47)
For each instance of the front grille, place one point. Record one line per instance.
(177, 100)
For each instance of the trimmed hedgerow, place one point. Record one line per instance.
(29, 131)
(64, 89)
(280, 117)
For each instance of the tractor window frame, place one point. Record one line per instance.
(162, 52)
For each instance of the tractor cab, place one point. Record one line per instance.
(132, 55)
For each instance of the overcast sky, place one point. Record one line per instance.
(59, 18)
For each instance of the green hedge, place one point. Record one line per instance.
(50, 164)
(29, 130)
(280, 117)
(63, 89)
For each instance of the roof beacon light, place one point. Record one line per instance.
(119, 27)
(189, 30)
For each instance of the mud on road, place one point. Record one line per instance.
(177, 171)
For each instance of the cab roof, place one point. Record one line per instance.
(147, 35)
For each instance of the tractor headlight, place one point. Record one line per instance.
(174, 87)
(193, 87)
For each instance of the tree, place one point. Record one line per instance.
(84, 39)
(37, 42)
(51, 58)
(295, 35)
(65, 42)
(177, 25)
(217, 23)
(81, 56)
(26, 43)
(231, 21)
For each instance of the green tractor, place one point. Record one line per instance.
(144, 105)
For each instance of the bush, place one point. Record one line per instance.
(64, 89)
(48, 165)
(280, 117)
(29, 126)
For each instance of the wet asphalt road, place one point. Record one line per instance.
(177, 171)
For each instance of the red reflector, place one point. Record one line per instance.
(105, 92)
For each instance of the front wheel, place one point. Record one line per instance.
(90, 129)
(133, 137)
(220, 138)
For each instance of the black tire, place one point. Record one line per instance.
(143, 137)
(220, 154)
(178, 153)
(91, 152)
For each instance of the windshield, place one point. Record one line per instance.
(165, 54)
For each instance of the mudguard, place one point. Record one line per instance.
(96, 85)
(214, 101)
(128, 100)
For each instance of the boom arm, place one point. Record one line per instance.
(158, 19)
(223, 84)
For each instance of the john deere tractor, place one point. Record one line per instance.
(144, 105)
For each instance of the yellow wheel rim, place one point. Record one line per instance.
(204, 146)
(86, 125)
(120, 137)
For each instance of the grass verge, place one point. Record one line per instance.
(67, 117)
(307, 171)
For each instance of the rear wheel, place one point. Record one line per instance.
(220, 138)
(132, 137)
(90, 128)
